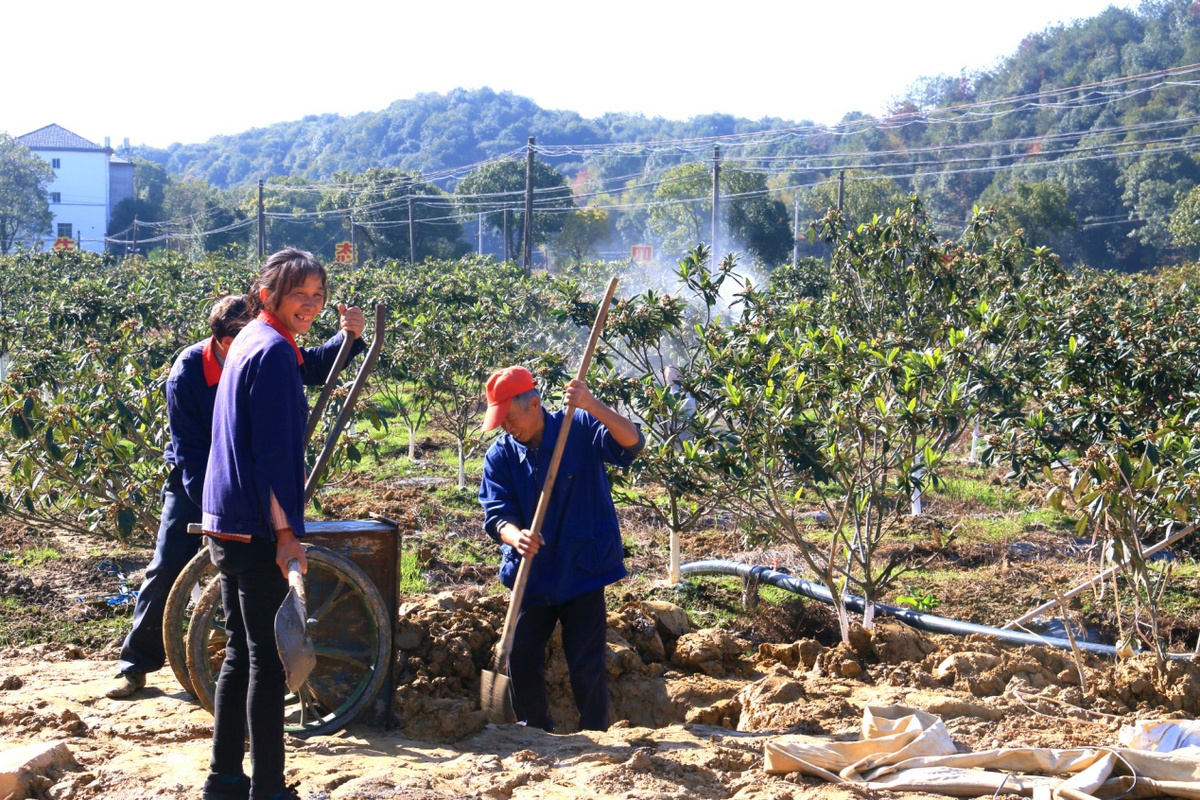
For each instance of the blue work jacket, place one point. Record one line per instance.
(191, 393)
(583, 549)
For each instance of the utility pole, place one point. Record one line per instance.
(262, 224)
(506, 256)
(796, 228)
(412, 247)
(841, 186)
(527, 240)
(716, 200)
(135, 234)
(479, 234)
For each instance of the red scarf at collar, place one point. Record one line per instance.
(277, 324)
(212, 367)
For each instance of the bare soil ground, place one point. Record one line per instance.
(695, 692)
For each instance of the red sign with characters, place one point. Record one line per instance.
(64, 243)
(641, 252)
(343, 253)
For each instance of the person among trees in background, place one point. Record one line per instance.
(253, 515)
(579, 551)
(191, 391)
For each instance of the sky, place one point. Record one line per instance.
(184, 71)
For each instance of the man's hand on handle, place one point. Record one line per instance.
(524, 541)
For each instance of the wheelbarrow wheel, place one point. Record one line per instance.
(182, 598)
(351, 634)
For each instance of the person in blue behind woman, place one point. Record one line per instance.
(191, 392)
(579, 551)
(254, 518)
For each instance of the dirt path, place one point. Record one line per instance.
(156, 746)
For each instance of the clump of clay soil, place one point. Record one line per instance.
(663, 670)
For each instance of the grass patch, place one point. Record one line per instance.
(30, 556)
(451, 498)
(465, 550)
(412, 580)
(22, 624)
(1011, 526)
(978, 492)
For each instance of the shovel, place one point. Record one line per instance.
(494, 696)
(291, 632)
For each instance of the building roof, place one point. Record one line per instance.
(56, 137)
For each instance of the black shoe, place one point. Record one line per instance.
(289, 793)
(215, 789)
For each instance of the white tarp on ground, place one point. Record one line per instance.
(906, 750)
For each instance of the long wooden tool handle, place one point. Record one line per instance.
(339, 361)
(539, 516)
(335, 431)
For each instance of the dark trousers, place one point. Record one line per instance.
(143, 649)
(250, 687)
(584, 636)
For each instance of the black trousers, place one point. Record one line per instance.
(143, 648)
(584, 636)
(251, 686)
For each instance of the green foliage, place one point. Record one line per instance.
(1037, 211)
(1184, 225)
(24, 201)
(919, 600)
(582, 232)
(378, 203)
(1111, 423)
(82, 405)
(682, 213)
(497, 190)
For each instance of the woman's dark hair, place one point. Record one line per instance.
(282, 272)
(229, 315)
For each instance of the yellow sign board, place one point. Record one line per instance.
(343, 253)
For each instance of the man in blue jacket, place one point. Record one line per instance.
(191, 392)
(579, 551)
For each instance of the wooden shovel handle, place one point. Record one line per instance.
(296, 580)
(539, 516)
(339, 361)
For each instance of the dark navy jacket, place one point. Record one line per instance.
(583, 549)
(190, 397)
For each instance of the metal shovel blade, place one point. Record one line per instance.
(291, 632)
(495, 699)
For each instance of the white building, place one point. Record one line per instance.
(89, 181)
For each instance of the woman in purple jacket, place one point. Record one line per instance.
(254, 518)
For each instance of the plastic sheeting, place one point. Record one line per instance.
(906, 750)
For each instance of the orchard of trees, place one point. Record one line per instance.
(841, 384)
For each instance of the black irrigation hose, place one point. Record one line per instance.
(925, 622)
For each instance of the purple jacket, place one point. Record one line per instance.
(190, 399)
(257, 437)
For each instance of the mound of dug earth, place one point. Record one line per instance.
(663, 671)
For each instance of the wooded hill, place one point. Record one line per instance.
(1083, 139)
